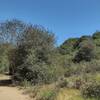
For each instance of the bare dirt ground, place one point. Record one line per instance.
(7, 92)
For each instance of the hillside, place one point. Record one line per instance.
(46, 72)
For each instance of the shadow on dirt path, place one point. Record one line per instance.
(5, 80)
(9, 92)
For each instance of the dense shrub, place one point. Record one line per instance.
(96, 35)
(62, 83)
(68, 46)
(4, 62)
(34, 59)
(81, 40)
(33, 56)
(91, 90)
(78, 83)
(86, 51)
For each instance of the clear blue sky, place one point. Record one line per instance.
(66, 18)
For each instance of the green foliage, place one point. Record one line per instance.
(91, 90)
(33, 56)
(29, 53)
(62, 83)
(48, 95)
(96, 38)
(68, 46)
(10, 30)
(96, 35)
(81, 40)
(86, 51)
(4, 62)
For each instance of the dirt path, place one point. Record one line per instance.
(8, 92)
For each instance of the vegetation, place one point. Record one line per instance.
(91, 89)
(29, 54)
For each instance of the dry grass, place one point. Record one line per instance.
(69, 94)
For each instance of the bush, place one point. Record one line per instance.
(86, 51)
(33, 57)
(96, 35)
(48, 95)
(36, 71)
(68, 46)
(91, 90)
(78, 83)
(4, 62)
(62, 83)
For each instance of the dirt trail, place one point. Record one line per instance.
(8, 92)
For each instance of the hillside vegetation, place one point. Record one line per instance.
(68, 72)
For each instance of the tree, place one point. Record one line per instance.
(80, 40)
(96, 38)
(68, 46)
(86, 51)
(96, 35)
(32, 55)
(10, 30)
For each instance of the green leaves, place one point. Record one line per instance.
(91, 90)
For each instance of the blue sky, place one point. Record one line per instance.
(66, 18)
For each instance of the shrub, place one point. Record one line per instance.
(33, 56)
(68, 46)
(48, 95)
(86, 51)
(91, 90)
(4, 62)
(96, 35)
(78, 83)
(62, 83)
(80, 40)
